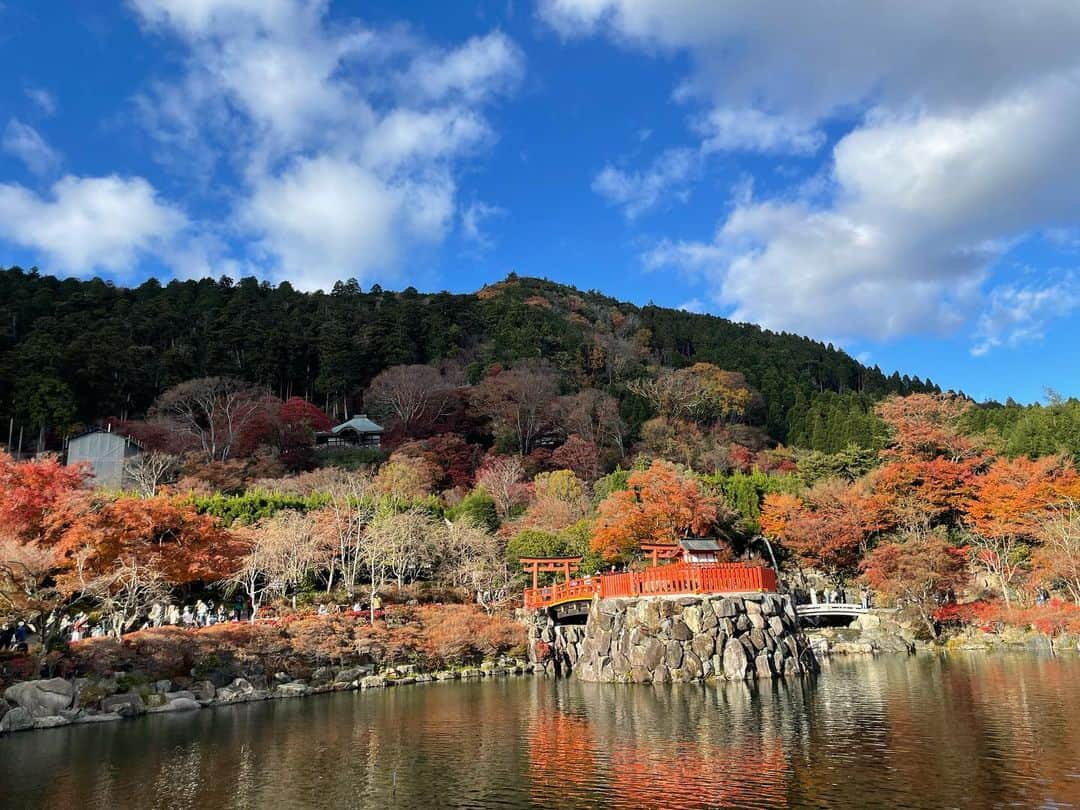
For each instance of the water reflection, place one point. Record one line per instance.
(975, 731)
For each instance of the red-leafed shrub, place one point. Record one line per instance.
(431, 636)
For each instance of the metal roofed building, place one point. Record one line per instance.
(105, 453)
(356, 432)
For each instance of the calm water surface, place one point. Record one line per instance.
(978, 731)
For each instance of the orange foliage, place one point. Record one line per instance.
(923, 492)
(1014, 495)
(660, 506)
(430, 635)
(29, 489)
(161, 533)
(927, 425)
(828, 527)
(1053, 618)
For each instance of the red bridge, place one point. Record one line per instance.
(678, 578)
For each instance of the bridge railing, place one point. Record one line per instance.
(659, 581)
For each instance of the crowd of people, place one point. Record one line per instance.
(837, 595)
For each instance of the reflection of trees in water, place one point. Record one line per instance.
(659, 746)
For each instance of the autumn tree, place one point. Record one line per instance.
(518, 401)
(149, 471)
(558, 500)
(406, 544)
(341, 526)
(405, 478)
(918, 569)
(27, 586)
(594, 416)
(30, 489)
(1006, 510)
(117, 548)
(660, 505)
(281, 553)
(210, 412)
(501, 477)
(473, 558)
(927, 425)
(923, 493)
(453, 460)
(410, 394)
(1057, 558)
(703, 393)
(580, 455)
(125, 591)
(827, 528)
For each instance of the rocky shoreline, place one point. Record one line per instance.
(57, 702)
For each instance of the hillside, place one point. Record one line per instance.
(72, 352)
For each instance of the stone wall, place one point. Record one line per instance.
(689, 638)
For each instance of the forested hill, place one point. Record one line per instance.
(72, 352)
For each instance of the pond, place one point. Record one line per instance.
(927, 731)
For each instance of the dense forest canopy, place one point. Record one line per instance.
(76, 352)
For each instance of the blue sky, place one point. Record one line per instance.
(901, 181)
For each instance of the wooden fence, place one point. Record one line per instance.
(678, 578)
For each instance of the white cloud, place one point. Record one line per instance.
(479, 69)
(693, 305)
(637, 192)
(26, 143)
(326, 219)
(348, 138)
(813, 59)
(472, 223)
(90, 223)
(45, 101)
(729, 130)
(1019, 314)
(961, 117)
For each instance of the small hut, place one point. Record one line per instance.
(357, 432)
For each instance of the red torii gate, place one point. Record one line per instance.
(661, 551)
(539, 565)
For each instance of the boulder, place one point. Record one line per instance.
(239, 690)
(752, 607)
(183, 693)
(203, 690)
(680, 631)
(742, 624)
(708, 620)
(726, 608)
(673, 655)
(373, 682)
(127, 704)
(18, 719)
(322, 675)
(178, 705)
(349, 675)
(654, 654)
(45, 698)
(763, 666)
(163, 686)
(693, 618)
(776, 626)
(757, 621)
(703, 646)
(735, 660)
(691, 665)
(155, 700)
